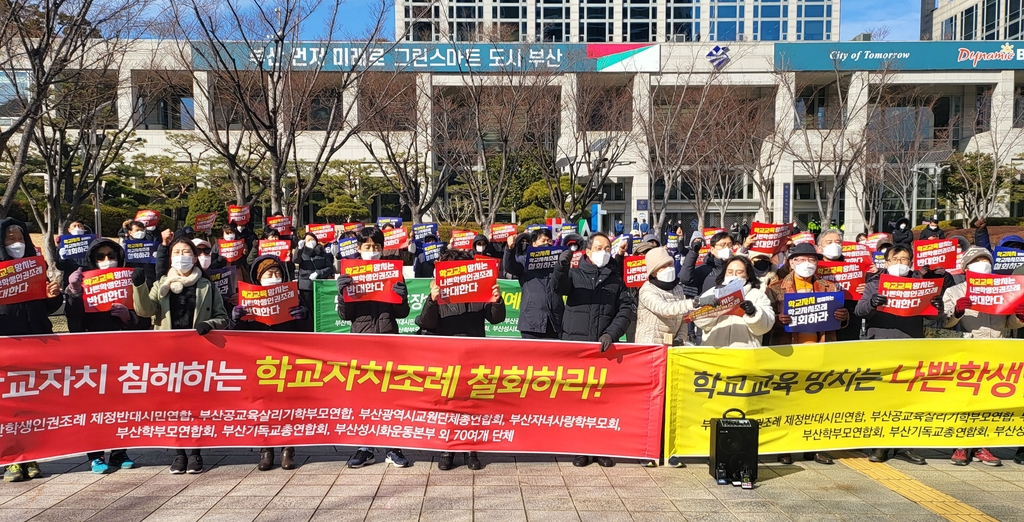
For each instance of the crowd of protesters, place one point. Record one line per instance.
(583, 297)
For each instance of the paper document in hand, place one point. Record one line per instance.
(729, 298)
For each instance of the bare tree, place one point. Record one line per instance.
(1000, 138)
(762, 147)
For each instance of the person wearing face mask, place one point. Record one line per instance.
(241, 265)
(932, 230)
(68, 266)
(742, 331)
(541, 310)
(269, 271)
(597, 306)
(27, 318)
(137, 231)
(242, 232)
(661, 303)
(830, 246)
(182, 299)
(802, 278)
(902, 233)
(103, 254)
(881, 325)
(421, 267)
(957, 313)
(703, 277)
(312, 262)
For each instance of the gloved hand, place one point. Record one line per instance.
(748, 308)
(938, 304)
(75, 283)
(878, 300)
(412, 247)
(121, 312)
(238, 312)
(400, 289)
(138, 277)
(343, 281)
(312, 276)
(696, 244)
(565, 258)
(962, 305)
(203, 328)
(707, 300)
(606, 342)
(298, 313)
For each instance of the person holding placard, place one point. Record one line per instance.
(662, 304)
(540, 314)
(830, 245)
(423, 267)
(25, 318)
(703, 277)
(67, 265)
(231, 233)
(182, 299)
(757, 319)
(312, 262)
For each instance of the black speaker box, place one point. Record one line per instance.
(734, 450)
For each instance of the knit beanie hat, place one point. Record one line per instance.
(973, 254)
(265, 265)
(657, 259)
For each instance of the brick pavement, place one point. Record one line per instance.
(509, 488)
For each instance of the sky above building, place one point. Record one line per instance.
(902, 17)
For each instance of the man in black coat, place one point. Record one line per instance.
(541, 311)
(703, 277)
(902, 233)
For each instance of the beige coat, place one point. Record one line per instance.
(974, 324)
(659, 315)
(209, 305)
(733, 331)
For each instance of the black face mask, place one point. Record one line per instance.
(762, 265)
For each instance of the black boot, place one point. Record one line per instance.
(266, 459)
(288, 458)
(473, 462)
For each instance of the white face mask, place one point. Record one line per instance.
(151, 228)
(77, 231)
(229, 237)
(599, 258)
(806, 269)
(241, 228)
(479, 249)
(666, 275)
(106, 263)
(139, 235)
(982, 267)
(903, 226)
(730, 278)
(270, 281)
(16, 250)
(574, 248)
(898, 270)
(183, 264)
(369, 256)
(933, 227)
(832, 251)
(310, 243)
(723, 253)
(204, 261)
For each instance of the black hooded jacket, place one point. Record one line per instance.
(68, 266)
(308, 261)
(305, 325)
(31, 317)
(74, 306)
(903, 237)
(541, 309)
(596, 301)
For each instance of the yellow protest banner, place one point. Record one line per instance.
(927, 393)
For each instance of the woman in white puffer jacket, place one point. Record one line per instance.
(756, 316)
(662, 306)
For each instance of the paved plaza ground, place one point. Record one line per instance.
(513, 488)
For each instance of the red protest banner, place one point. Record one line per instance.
(102, 288)
(282, 224)
(372, 280)
(707, 233)
(859, 254)
(770, 238)
(22, 280)
(238, 215)
(324, 233)
(276, 247)
(351, 227)
(500, 233)
(396, 239)
(231, 250)
(575, 261)
(150, 218)
(555, 398)
(635, 268)
(935, 253)
(269, 304)
(204, 222)
(729, 298)
(847, 275)
(801, 238)
(908, 297)
(995, 294)
(872, 240)
(466, 281)
(462, 239)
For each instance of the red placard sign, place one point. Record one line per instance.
(872, 240)
(269, 304)
(466, 281)
(324, 233)
(707, 233)
(801, 238)
(204, 222)
(150, 218)
(413, 391)
(372, 280)
(462, 239)
(396, 239)
(847, 275)
(238, 215)
(276, 247)
(351, 227)
(908, 297)
(935, 253)
(501, 232)
(995, 294)
(635, 268)
(770, 238)
(22, 280)
(231, 250)
(282, 224)
(857, 253)
(102, 288)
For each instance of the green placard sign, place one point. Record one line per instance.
(325, 295)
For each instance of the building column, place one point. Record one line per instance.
(126, 100)
(785, 118)
(425, 122)
(641, 184)
(858, 97)
(202, 106)
(1002, 104)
